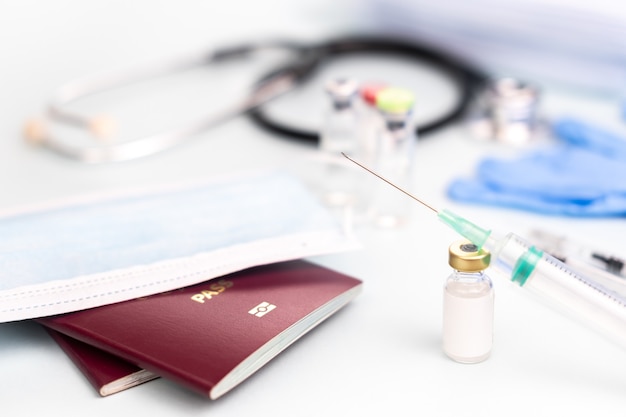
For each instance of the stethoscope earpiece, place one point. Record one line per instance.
(35, 131)
(103, 127)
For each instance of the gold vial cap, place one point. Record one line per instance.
(465, 256)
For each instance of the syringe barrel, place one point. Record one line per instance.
(553, 281)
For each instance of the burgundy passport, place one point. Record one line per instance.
(107, 373)
(212, 336)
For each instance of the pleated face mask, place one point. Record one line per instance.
(100, 250)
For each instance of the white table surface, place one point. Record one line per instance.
(381, 355)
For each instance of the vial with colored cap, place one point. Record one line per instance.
(393, 156)
(468, 304)
(370, 120)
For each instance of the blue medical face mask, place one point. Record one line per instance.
(99, 251)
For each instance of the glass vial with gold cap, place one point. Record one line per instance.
(393, 156)
(468, 305)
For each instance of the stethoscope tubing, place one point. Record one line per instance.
(307, 59)
(469, 80)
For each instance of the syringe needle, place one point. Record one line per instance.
(392, 184)
(464, 227)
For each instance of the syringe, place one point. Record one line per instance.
(540, 273)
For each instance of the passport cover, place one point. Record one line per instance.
(210, 337)
(106, 372)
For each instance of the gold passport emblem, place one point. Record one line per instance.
(262, 309)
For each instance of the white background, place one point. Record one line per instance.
(381, 354)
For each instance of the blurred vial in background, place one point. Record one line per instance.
(339, 134)
(507, 112)
(393, 156)
(338, 182)
(370, 120)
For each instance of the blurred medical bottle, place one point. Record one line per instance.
(393, 156)
(468, 304)
(507, 112)
(339, 133)
(370, 120)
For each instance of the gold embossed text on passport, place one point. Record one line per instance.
(213, 290)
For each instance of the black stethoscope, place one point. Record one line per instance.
(305, 61)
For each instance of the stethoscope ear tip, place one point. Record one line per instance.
(35, 131)
(102, 127)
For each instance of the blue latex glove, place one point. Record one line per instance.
(584, 177)
(583, 135)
